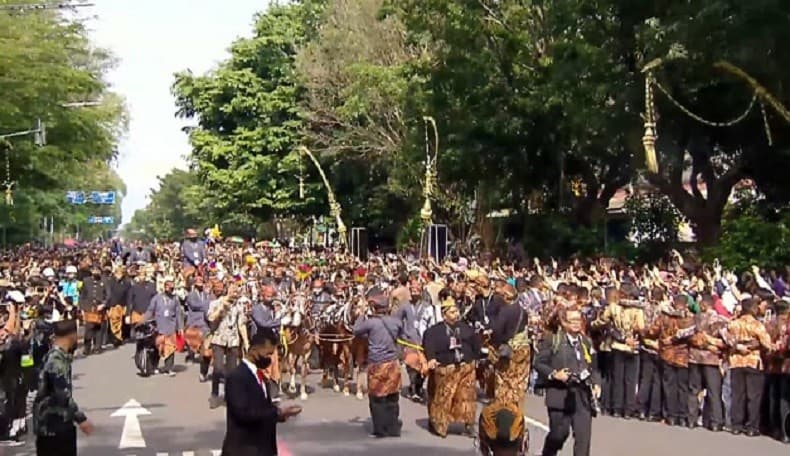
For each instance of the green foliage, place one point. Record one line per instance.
(178, 203)
(749, 239)
(249, 120)
(654, 220)
(47, 62)
(538, 109)
(654, 224)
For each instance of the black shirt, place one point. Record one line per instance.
(140, 296)
(436, 343)
(509, 321)
(485, 310)
(118, 292)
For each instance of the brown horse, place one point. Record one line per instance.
(341, 353)
(298, 343)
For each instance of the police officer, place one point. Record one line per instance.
(54, 411)
(568, 365)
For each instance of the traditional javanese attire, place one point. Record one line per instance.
(451, 386)
(511, 376)
(166, 310)
(384, 374)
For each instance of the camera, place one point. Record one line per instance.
(583, 378)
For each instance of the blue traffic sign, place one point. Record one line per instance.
(75, 197)
(102, 198)
(97, 220)
(78, 197)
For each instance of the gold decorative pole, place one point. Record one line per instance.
(649, 139)
(334, 207)
(426, 214)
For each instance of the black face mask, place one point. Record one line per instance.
(263, 363)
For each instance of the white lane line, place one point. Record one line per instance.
(216, 452)
(161, 454)
(536, 423)
(188, 453)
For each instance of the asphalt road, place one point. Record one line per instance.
(181, 424)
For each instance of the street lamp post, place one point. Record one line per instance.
(39, 138)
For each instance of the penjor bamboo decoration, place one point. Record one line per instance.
(651, 134)
(426, 213)
(759, 89)
(334, 207)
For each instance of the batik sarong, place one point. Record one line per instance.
(452, 396)
(415, 359)
(511, 377)
(194, 339)
(137, 317)
(384, 378)
(166, 345)
(115, 315)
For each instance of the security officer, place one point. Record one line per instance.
(54, 411)
(567, 364)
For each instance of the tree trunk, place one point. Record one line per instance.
(707, 227)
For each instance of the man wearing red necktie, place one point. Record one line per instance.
(251, 415)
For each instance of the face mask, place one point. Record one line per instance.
(317, 291)
(263, 363)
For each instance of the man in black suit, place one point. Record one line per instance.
(252, 416)
(567, 364)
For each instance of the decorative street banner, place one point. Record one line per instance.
(78, 197)
(101, 220)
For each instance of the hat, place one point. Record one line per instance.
(15, 296)
(448, 303)
(379, 301)
(502, 423)
(64, 328)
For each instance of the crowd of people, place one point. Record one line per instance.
(681, 342)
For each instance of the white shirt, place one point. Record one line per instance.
(254, 371)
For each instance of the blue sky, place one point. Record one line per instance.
(152, 40)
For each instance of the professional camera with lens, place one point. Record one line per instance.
(583, 379)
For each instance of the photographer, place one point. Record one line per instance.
(568, 367)
(227, 321)
(10, 368)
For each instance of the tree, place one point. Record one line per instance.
(356, 79)
(178, 203)
(48, 62)
(718, 157)
(249, 120)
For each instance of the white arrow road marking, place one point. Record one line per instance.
(188, 453)
(132, 436)
(216, 452)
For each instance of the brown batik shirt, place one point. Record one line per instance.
(743, 331)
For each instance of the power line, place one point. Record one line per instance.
(25, 7)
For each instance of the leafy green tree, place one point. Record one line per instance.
(48, 63)
(177, 203)
(249, 121)
(356, 76)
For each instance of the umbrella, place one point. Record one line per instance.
(237, 240)
(70, 242)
